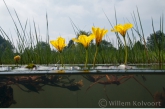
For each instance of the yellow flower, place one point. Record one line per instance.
(99, 34)
(122, 29)
(85, 40)
(59, 44)
(17, 58)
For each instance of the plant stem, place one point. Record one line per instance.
(94, 61)
(86, 61)
(61, 59)
(17, 64)
(125, 51)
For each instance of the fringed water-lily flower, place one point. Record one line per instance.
(122, 29)
(85, 40)
(17, 58)
(99, 34)
(59, 44)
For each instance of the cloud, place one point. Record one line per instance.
(84, 14)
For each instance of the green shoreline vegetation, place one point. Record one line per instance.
(32, 49)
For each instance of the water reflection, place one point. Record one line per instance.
(6, 96)
(160, 97)
(113, 79)
(34, 84)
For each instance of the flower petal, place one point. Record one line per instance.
(94, 30)
(85, 40)
(99, 34)
(54, 43)
(127, 26)
(75, 40)
(122, 29)
(59, 44)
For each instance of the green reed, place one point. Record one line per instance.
(31, 50)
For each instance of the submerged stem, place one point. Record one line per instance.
(144, 87)
(125, 51)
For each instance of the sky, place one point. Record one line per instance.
(83, 13)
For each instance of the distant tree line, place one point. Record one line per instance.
(6, 49)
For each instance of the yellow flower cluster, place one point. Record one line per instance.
(97, 34)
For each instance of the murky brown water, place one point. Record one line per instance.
(85, 91)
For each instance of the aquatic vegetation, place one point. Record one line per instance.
(93, 78)
(36, 82)
(41, 53)
(113, 79)
(160, 97)
(7, 96)
(99, 34)
(17, 59)
(30, 66)
(108, 54)
(59, 44)
(122, 29)
(33, 49)
(85, 41)
(79, 83)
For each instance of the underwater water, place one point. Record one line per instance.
(82, 90)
